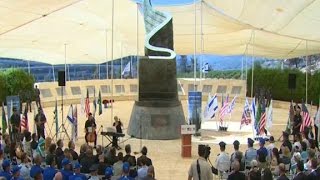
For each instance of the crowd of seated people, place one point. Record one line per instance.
(298, 159)
(25, 161)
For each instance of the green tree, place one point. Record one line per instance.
(18, 82)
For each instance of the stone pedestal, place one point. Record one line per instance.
(158, 113)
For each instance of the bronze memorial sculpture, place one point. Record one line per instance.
(158, 113)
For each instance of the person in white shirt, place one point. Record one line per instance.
(25, 167)
(223, 159)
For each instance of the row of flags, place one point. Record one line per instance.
(212, 107)
(261, 115)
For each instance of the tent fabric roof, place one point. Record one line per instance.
(81, 30)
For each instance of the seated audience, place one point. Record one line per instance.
(66, 170)
(144, 152)
(128, 156)
(117, 167)
(235, 174)
(72, 151)
(25, 167)
(254, 173)
(108, 173)
(94, 172)
(299, 175)
(76, 173)
(125, 172)
(50, 171)
(87, 161)
(143, 168)
(262, 154)
(6, 172)
(282, 172)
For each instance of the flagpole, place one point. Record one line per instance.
(252, 64)
(53, 74)
(195, 46)
(306, 72)
(202, 43)
(112, 41)
(107, 68)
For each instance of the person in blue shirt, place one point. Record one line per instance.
(125, 174)
(36, 172)
(16, 173)
(6, 169)
(262, 153)
(66, 171)
(108, 173)
(50, 171)
(76, 175)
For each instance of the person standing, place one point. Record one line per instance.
(223, 159)
(297, 120)
(200, 169)
(118, 125)
(28, 100)
(37, 96)
(40, 120)
(15, 125)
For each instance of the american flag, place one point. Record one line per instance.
(224, 108)
(263, 118)
(24, 119)
(306, 120)
(87, 105)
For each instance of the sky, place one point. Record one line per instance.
(169, 2)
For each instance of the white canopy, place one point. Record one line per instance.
(41, 30)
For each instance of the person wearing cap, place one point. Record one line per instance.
(125, 172)
(204, 171)
(262, 154)
(297, 120)
(94, 172)
(108, 173)
(40, 120)
(91, 124)
(76, 173)
(36, 173)
(223, 159)
(6, 169)
(66, 171)
(236, 146)
(15, 125)
(50, 171)
(16, 173)
(250, 154)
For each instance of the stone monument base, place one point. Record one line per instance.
(157, 120)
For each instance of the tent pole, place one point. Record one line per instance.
(121, 63)
(201, 29)
(307, 72)
(107, 68)
(112, 39)
(29, 66)
(195, 46)
(65, 60)
(53, 74)
(252, 74)
(138, 44)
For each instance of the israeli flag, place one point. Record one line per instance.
(70, 115)
(205, 68)
(211, 107)
(253, 109)
(126, 69)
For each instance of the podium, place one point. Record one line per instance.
(186, 132)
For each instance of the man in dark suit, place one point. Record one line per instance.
(300, 175)
(314, 173)
(236, 175)
(144, 152)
